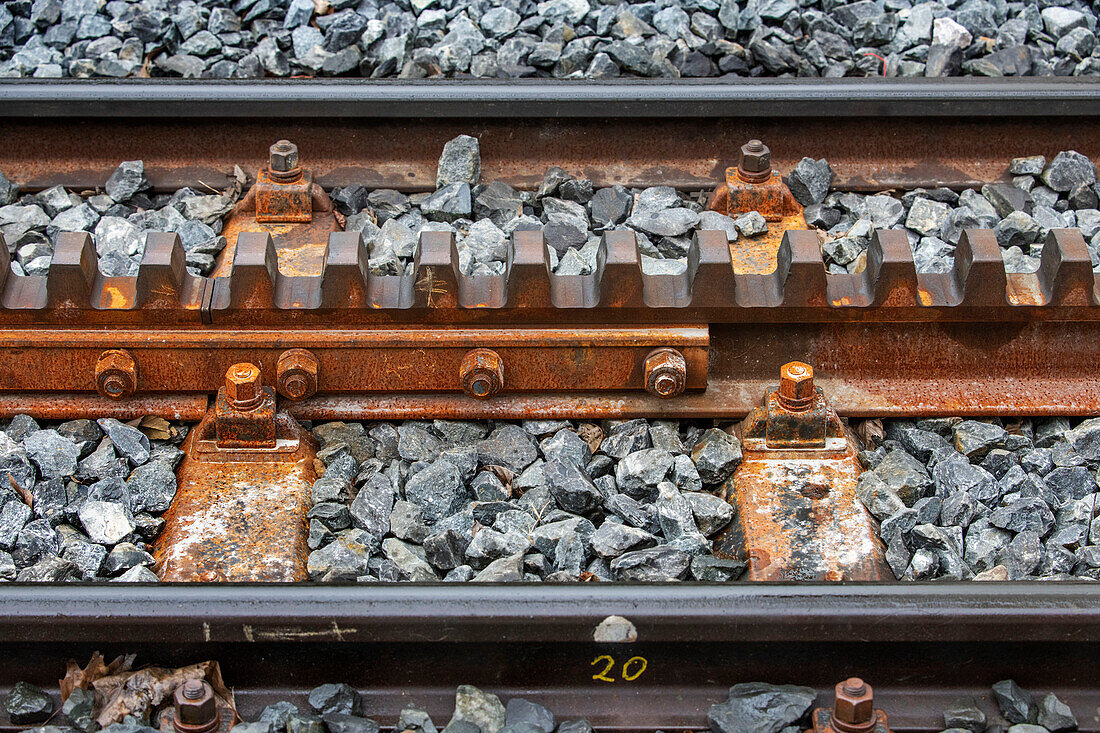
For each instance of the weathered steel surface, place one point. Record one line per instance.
(798, 517)
(239, 514)
(383, 360)
(797, 290)
(63, 406)
(678, 150)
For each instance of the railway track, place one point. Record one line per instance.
(815, 371)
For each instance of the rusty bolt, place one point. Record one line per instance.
(243, 387)
(796, 386)
(196, 710)
(283, 157)
(482, 372)
(854, 706)
(665, 372)
(296, 374)
(116, 374)
(756, 162)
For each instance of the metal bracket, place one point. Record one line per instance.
(795, 414)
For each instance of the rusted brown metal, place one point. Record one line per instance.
(665, 372)
(65, 406)
(116, 374)
(239, 514)
(681, 152)
(286, 203)
(853, 711)
(482, 373)
(244, 410)
(194, 708)
(798, 516)
(795, 414)
(296, 374)
(357, 360)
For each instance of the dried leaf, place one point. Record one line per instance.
(141, 692)
(592, 434)
(24, 494)
(322, 7)
(156, 428)
(75, 677)
(871, 433)
(506, 476)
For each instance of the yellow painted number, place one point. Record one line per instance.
(632, 668)
(602, 674)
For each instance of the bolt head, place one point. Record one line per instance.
(243, 385)
(482, 373)
(297, 373)
(796, 382)
(755, 157)
(195, 710)
(283, 156)
(665, 373)
(116, 374)
(854, 704)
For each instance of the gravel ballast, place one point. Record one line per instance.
(560, 39)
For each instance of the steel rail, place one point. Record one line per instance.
(520, 612)
(532, 98)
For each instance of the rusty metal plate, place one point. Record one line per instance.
(568, 359)
(798, 517)
(239, 514)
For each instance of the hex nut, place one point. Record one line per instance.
(116, 374)
(796, 386)
(665, 373)
(283, 157)
(482, 373)
(196, 710)
(243, 386)
(297, 373)
(756, 162)
(854, 706)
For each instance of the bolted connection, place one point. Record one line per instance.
(296, 374)
(756, 162)
(482, 373)
(853, 707)
(665, 373)
(196, 710)
(116, 374)
(283, 157)
(243, 386)
(796, 386)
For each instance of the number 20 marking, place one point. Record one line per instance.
(632, 668)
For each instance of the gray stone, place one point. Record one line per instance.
(655, 564)
(1055, 715)
(152, 487)
(927, 217)
(437, 490)
(105, 522)
(27, 704)
(409, 559)
(373, 505)
(810, 180)
(571, 487)
(757, 707)
(716, 455)
(711, 513)
(127, 180)
(521, 711)
(1029, 514)
(964, 713)
(1069, 169)
(130, 442)
(55, 456)
(449, 203)
(751, 224)
(1015, 704)
(480, 708)
(460, 162)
